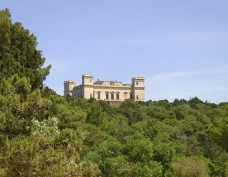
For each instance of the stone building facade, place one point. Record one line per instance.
(112, 91)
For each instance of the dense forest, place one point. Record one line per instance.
(44, 134)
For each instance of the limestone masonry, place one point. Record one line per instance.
(111, 91)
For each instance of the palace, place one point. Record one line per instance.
(112, 91)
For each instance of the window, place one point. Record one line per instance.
(137, 83)
(107, 95)
(137, 97)
(112, 96)
(98, 95)
(117, 96)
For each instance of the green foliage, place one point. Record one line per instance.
(149, 169)
(190, 167)
(219, 131)
(47, 152)
(18, 53)
(138, 148)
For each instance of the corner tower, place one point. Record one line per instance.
(138, 88)
(68, 87)
(87, 84)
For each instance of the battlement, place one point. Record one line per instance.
(87, 75)
(108, 83)
(69, 81)
(141, 78)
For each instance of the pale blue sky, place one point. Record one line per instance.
(179, 46)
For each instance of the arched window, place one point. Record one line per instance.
(107, 95)
(112, 95)
(117, 95)
(98, 95)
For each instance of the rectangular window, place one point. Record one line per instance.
(117, 96)
(137, 97)
(112, 96)
(98, 95)
(107, 96)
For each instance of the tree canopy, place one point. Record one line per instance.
(18, 53)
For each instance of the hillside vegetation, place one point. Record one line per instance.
(44, 134)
